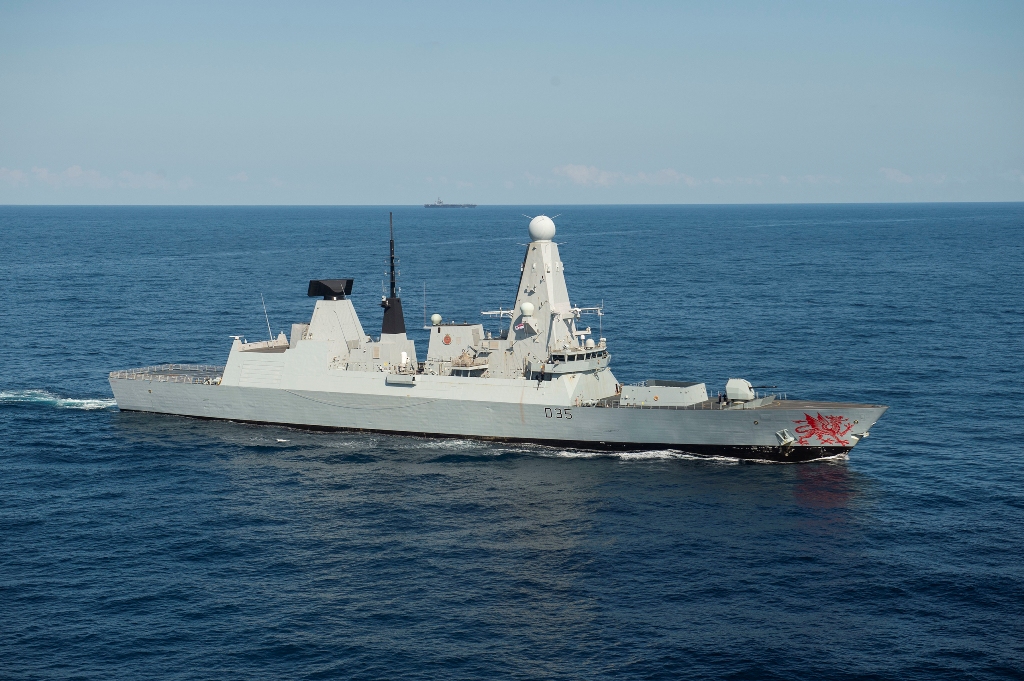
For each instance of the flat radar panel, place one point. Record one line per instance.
(330, 289)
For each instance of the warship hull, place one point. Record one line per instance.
(532, 415)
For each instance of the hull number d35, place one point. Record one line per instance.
(557, 413)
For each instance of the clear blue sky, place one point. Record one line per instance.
(517, 103)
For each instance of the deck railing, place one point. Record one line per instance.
(207, 374)
(711, 404)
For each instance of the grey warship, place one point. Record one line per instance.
(442, 204)
(543, 379)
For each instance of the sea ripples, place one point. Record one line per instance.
(147, 546)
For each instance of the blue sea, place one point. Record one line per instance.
(137, 546)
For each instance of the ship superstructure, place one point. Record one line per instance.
(544, 378)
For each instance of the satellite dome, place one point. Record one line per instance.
(542, 228)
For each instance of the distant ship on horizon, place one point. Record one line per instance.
(442, 204)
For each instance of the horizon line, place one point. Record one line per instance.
(489, 205)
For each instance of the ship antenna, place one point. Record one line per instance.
(391, 224)
(394, 321)
(267, 317)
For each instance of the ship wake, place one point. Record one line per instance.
(45, 398)
(646, 455)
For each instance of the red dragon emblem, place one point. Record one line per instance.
(828, 429)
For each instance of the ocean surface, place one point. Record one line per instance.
(138, 546)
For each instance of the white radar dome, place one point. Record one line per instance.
(435, 319)
(527, 309)
(542, 228)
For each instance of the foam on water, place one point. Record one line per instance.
(642, 455)
(46, 398)
(450, 444)
(674, 455)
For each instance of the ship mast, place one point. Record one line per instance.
(391, 226)
(394, 320)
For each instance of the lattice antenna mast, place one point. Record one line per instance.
(391, 225)
(394, 320)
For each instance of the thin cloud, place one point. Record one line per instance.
(74, 176)
(591, 176)
(759, 180)
(666, 176)
(146, 180)
(14, 177)
(77, 177)
(588, 175)
(810, 179)
(893, 175)
(239, 177)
